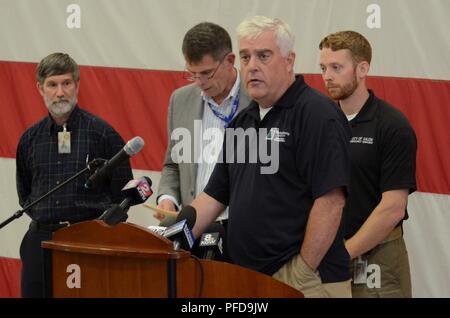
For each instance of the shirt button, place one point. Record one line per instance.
(59, 162)
(57, 182)
(57, 202)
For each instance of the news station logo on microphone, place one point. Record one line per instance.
(212, 245)
(209, 239)
(181, 235)
(141, 187)
(136, 191)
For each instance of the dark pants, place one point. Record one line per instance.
(31, 254)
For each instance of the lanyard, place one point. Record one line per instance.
(227, 119)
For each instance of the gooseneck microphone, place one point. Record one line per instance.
(130, 149)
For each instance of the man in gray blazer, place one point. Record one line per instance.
(201, 111)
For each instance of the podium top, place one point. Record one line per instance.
(124, 239)
(127, 260)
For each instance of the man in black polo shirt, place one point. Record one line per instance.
(285, 213)
(383, 153)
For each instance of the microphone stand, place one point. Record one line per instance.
(94, 164)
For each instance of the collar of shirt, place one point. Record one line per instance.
(296, 88)
(367, 112)
(230, 96)
(350, 117)
(52, 127)
(263, 111)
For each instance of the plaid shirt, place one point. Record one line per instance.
(40, 168)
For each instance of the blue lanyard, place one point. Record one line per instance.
(229, 118)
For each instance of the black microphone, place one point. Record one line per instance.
(136, 191)
(181, 232)
(114, 215)
(211, 242)
(130, 149)
(181, 235)
(189, 214)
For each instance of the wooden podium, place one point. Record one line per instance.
(93, 259)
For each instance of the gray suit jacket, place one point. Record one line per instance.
(185, 106)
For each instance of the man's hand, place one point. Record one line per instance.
(381, 221)
(323, 224)
(165, 204)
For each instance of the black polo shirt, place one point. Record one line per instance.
(383, 155)
(269, 212)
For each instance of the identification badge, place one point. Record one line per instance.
(360, 270)
(64, 140)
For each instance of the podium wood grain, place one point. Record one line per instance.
(130, 261)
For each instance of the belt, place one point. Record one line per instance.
(37, 226)
(395, 234)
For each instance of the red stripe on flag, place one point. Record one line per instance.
(10, 277)
(426, 104)
(135, 103)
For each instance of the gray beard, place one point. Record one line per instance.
(61, 108)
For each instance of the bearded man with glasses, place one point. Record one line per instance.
(214, 98)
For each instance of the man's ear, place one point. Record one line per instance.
(40, 88)
(231, 57)
(362, 69)
(290, 60)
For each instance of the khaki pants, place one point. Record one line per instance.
(297, 274)
(395, 278)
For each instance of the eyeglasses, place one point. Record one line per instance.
(203, 76)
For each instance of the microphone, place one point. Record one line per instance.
(211, 242)
(181, 232)
(181, 235)
(157, 229)
(130, 149)
(189, 214)
(136, 191)
(114, 215)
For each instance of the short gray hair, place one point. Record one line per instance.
(252, 27)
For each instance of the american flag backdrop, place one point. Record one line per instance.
(131, 61)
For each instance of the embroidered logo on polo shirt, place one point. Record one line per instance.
(276, 135)
(362, 140)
